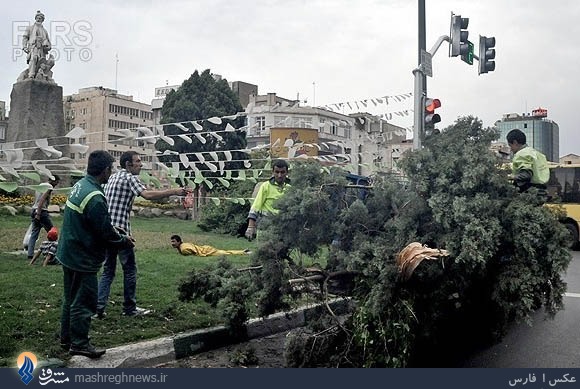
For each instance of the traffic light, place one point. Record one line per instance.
(459, 35)
(486, 54)
(431, 118)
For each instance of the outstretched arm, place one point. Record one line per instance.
(160, 194)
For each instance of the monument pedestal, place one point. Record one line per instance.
(36, 112)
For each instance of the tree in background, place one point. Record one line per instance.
(199, 106)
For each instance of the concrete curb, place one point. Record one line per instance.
(157, 351)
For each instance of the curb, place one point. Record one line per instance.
(163, 350)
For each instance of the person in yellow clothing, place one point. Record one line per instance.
(186, 248)
(269, 192)
(529, 166)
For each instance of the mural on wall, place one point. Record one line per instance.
(293, 142)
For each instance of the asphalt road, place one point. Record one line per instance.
(547, 343)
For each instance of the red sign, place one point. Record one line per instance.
(540, 113)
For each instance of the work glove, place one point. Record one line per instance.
(250, 233)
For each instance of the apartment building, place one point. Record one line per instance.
(382, 143)
(273, 115)
(367, 141)
(101, 113)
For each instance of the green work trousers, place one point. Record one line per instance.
(78, 306)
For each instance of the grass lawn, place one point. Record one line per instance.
(31, 296)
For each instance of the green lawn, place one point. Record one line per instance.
(30, 296)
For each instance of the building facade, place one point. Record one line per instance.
(243, 90)
(382, 143)
(3, 122)
(282, 125)
(366, 142)
(541, 133)
(101, 113)
(570, 159)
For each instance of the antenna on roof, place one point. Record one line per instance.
(116, 69)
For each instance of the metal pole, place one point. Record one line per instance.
(422, 38)
(420, 79)
(418, 108)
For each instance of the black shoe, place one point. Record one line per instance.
(99, 315)
(90, 351)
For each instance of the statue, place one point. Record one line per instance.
(44, 72)
(36, 43)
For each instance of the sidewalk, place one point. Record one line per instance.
(158, 351)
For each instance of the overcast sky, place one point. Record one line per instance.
(325, 51)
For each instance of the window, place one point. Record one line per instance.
(260, 124)
(302, 122)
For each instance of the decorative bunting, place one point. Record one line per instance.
(76, 133)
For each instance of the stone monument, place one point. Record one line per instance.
(36, 108)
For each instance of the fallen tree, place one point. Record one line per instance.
(504, 258)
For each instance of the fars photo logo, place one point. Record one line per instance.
(26, 363)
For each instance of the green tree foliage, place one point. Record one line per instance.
(507, 255)
(229, 215)
(202, 97)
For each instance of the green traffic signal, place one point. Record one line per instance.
(468, 56)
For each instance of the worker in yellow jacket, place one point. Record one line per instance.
(269, 192)
(186, 248)
(529, 166)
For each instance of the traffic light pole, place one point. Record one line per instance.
(459, 46)
(420, 95)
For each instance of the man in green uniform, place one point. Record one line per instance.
(269, 192)
(529, 166)
(86, 232)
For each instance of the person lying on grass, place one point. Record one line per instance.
(186, 248)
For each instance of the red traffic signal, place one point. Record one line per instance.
(430, 106)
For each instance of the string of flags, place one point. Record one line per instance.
(366, 103)
(191, 130)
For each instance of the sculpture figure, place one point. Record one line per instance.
(36, 43)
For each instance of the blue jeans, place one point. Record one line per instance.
(36, 226)
(127, 259)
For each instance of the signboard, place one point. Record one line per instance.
(540, 113)
(468, 57)
(427, 63)
(293, 142)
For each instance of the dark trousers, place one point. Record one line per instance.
(79, 304)
(129, 265)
